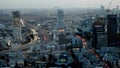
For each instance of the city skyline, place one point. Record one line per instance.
(5, 4)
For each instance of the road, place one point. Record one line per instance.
(19, 47)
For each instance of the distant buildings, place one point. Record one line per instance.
(1, 26)
(102, 10)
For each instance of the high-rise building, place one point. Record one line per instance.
(112, 29)
(99, 34)
(119, 25)
(16, 26)
(1, 12)
(102, 9)
(60, 24)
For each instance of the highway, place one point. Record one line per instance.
(19, 46)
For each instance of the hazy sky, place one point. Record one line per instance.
(56, 3)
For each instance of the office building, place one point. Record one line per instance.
(16, 26)
(99, 33)
(111, 29)
(60, 24)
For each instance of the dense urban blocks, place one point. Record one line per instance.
(85, 38)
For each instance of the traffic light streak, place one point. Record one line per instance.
(93, 51)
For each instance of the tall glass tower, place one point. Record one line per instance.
(60, 24)
(111, 29)
(16, 26)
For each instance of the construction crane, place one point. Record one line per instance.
(109, 5)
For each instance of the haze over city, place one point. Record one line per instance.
(59, 33)
(4, 4)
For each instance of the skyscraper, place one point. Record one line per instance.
(99, 33)
(119, 25)
(111, 29)
(60, 24)
(16, 26)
